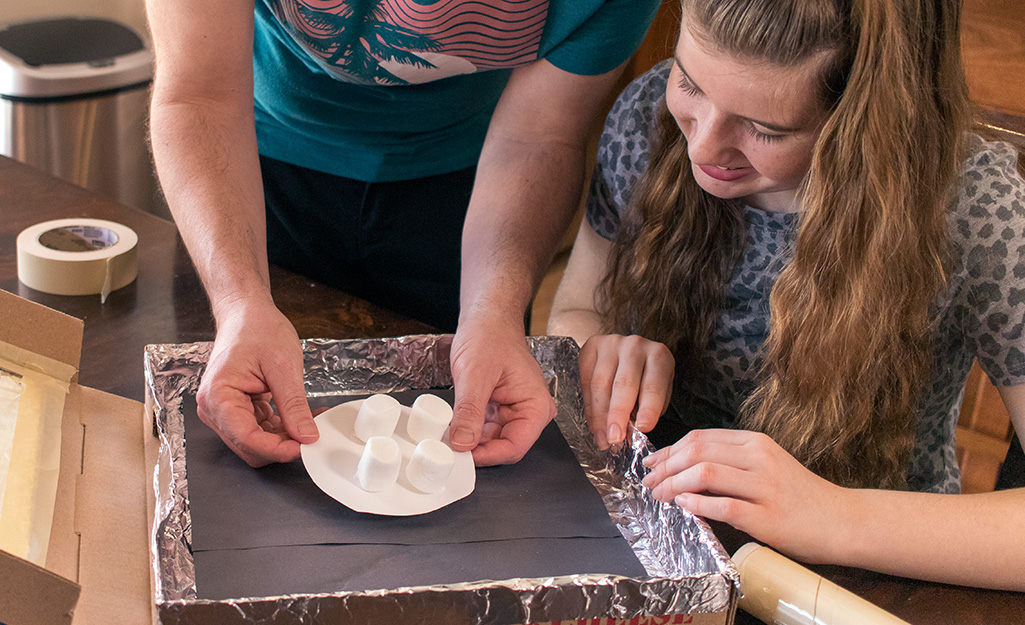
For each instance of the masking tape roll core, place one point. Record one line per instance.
(77, 256)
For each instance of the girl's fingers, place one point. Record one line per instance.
(588, 360)
(600, 366)
(709, 477)
(624, 393)
(702, 446)
(721, 435)
(601, 385)
(655, 387)
(622, 378)
(735, 512)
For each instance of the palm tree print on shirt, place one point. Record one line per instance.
(396, 42)
(356, 38)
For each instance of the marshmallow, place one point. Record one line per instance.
(428, 418)
(430, 466)
(378, 415)
(379, 465)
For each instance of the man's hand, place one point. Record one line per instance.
(529, 179)
(502, 402)
(257, 357)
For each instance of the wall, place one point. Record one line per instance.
(129, 12)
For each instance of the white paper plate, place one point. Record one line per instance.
(333, 459)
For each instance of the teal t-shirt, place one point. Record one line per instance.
(398, 89)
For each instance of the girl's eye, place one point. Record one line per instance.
(764, 136)
(687, 86)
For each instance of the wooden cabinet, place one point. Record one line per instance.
(983, 434)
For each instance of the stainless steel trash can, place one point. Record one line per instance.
(74, 101)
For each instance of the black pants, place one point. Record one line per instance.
(395, 244)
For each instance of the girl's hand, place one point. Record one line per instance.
(623, 377)
(745, 479)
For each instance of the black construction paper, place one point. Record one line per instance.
(271, 571)
(255, 530)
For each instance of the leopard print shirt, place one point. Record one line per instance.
(982, 314)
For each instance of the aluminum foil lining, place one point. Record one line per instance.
(688, 570)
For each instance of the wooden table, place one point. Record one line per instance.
(166, 304)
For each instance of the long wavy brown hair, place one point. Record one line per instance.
(848, 348)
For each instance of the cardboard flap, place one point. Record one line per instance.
(110, 511)
(41, 330)
(31, 595)
(62, 554)
(100, 525)
(99, 532)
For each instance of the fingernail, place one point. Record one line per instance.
(648, 461)
(681, 500)
(307, 428)
(615, 434)
(462, 437)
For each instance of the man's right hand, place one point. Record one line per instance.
(256, 358)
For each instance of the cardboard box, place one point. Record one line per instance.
(694, 580)
(96, 568)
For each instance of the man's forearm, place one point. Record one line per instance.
(523, 200)
(529, 183)
(208, 166)
(204, 141)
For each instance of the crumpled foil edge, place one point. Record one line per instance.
(688, 570)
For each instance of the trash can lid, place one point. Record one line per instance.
(70, 56)
(67, 40)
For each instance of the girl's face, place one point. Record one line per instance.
(750, 126)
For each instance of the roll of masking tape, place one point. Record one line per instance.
(777, 590)
(78, 256)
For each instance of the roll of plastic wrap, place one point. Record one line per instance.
(78, 256)
(775, 589)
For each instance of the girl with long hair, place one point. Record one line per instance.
(795, 249)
